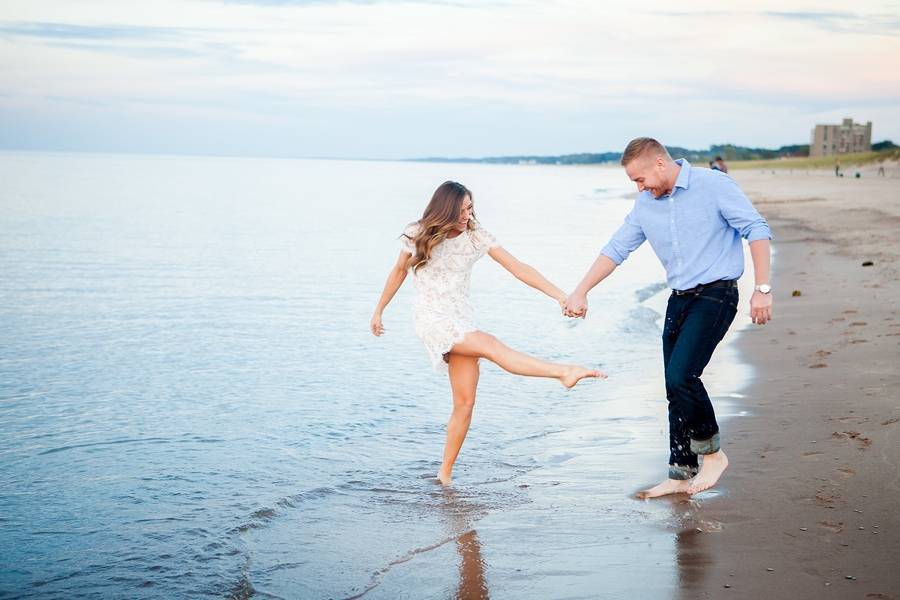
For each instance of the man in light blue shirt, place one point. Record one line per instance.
(694, 219)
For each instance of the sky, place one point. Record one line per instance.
(404, 79)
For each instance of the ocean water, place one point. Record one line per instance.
(192, 406)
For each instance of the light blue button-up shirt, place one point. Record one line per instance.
(695, 230)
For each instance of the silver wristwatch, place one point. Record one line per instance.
(763, 288)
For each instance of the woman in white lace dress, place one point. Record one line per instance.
(439, 250)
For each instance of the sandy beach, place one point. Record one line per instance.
(809, 507)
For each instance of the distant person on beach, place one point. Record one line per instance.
(439, 250)
(694, 220)
(720, 164)
(837, 167)
(881, 169)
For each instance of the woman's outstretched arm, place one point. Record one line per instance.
(527, 274)
(394, 280)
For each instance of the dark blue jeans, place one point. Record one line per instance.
(695, 324)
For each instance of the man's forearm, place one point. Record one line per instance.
(760, 253)
(599, 271)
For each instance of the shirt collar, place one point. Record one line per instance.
(683, 180)
(684, 177)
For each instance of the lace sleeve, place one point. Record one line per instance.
(483, 239)
(406, 238)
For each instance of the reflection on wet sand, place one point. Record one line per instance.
(692, 549)
(462, 514)
(694, 560)
(471, 568)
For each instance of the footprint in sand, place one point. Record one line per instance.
(848, 418)
(846, 471)
(858, 323)
(891, 421)
(831, 526)
(862, 440)
(850, 312)
(858, 341)
(818, 366)
(826, 499)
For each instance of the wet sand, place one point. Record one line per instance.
(809, 506)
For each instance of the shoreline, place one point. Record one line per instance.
(807, 508)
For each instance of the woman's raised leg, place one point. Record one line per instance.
(463, 381)
(484, 345)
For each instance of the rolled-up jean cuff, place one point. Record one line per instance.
(710, 446)
(681, 472)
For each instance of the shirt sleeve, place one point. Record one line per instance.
(736, 208)
(406, 238)
(483, 239)
(625, 240)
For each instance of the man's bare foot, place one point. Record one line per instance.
(574, 374)
(669, 486)
(710, 470)
(444, 477)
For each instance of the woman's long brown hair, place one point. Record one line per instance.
(440, 218)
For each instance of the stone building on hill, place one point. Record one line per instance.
(831, 140)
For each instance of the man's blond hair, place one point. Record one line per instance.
(638, 146)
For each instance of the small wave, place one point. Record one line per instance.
(642, 320)
(534, 436)
(263, 514)
(107, 443)
(242, 589)
(650, 290)
(260, 517)
(378, 576)
(159, 520)
(188, 437)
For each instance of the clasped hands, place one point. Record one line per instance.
(574, 305)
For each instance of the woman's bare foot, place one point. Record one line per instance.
(574, 374)
(444, 477)
(710, 470)
(669, 486)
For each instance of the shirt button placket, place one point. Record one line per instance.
(676, 251)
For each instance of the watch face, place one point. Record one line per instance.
(765, 288)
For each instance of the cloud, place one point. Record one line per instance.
(454, 3)
(844, 22)
(528, 73)
(86, 32)
(141, 42)
(145, 52)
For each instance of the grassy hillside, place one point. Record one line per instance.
(826, 162)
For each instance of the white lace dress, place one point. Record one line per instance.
(441, 309)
